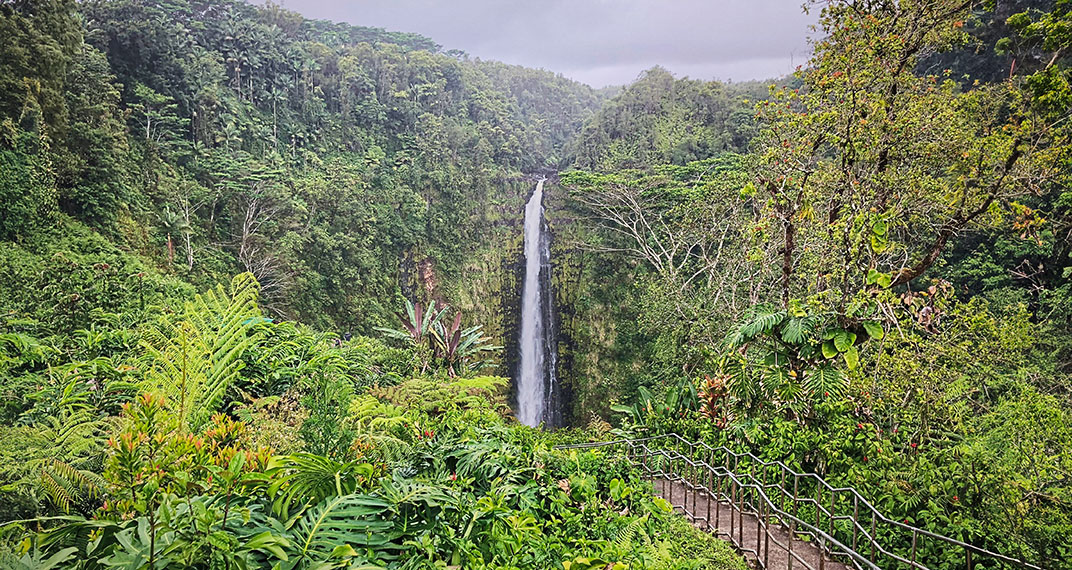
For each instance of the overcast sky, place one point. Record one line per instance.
(600, 42)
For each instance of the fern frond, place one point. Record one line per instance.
(196, 358)
(627, 534)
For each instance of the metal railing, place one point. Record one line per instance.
(793, 511)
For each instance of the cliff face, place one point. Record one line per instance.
(600, 354)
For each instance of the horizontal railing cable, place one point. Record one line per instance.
(850, 537)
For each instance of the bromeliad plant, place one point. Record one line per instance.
(418, 326)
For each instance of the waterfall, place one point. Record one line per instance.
(536, 373)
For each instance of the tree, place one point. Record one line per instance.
(40, 37)
(28, 198)
(691, 229)
(868, 170)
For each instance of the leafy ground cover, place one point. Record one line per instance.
(216, 438)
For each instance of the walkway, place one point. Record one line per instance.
(781, 519)
(775, 551)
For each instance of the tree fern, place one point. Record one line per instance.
(371, 414)
(194, 359)
(66, 484)
(58, 457)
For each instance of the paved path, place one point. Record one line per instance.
(746, 532)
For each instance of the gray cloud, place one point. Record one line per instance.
(600, 42)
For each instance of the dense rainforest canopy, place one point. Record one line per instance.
(260, 278)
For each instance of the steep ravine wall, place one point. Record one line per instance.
(600, 350)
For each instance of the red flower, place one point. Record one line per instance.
(913, 445)
(865, 459)
(955, 498)
(453, 476)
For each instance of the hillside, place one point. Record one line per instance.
(216, 137)
(279, 292)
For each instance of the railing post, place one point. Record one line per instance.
(766, 536)
(710, 486)
(759, 524)
(668, 479)
(830, 525)
(855, 520)
(818, 504)
(692, 479)
(718, 505)
(915, 537)
(731, 494)
(789, 542)
(793, 521)
(874, 537)
(781, 494)
(740, 512)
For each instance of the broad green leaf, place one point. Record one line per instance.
(844, 340)
(874, 330)
(852, 358)
(879, 243)
(825, 381)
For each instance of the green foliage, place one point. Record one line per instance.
(791, 359)
(325, 430)
(662, 120)
(28, 201)
(483, 495)
(57, 282)
(311, 479)
(194, 359)
(425, 332)
(148, 146)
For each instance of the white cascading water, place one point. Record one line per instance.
(534, 378)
